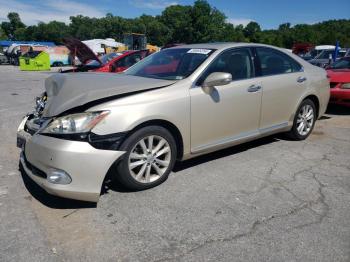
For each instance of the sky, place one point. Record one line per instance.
(268, 13)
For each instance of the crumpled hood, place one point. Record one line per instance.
(67, 91)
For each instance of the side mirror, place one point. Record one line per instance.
(216, 79)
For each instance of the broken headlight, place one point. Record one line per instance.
(74, 123)
(40, 103)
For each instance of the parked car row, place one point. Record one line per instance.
(68, 54)
(112, 63)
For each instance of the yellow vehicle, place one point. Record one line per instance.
(134, 41)
(152, 48)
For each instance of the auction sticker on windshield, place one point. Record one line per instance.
(199, 51)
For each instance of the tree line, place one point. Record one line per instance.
(198, 23)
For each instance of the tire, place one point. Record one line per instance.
(140, 169)
(304, 120)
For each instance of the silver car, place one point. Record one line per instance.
(176, 104)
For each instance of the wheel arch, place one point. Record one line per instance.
(313, 98)
(316, 101)
(173, 129)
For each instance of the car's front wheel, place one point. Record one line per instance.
(150, 156)
(304, 120)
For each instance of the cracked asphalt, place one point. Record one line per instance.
(268, 200)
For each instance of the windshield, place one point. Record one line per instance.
(170, 64)
(342, 64)
(104, 59)
(325, 54)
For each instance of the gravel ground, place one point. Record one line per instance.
(269, 200)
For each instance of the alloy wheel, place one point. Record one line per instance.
(305, 120)
(149, 159)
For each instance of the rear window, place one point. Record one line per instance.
(273, 62)
(342, 64)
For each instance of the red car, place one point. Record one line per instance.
(112, 63)
(339, 76)
(117, 62)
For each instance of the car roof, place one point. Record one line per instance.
(221, 45)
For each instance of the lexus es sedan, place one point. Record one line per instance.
(176, 104)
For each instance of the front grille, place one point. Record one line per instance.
(36, 171)
(333, 84)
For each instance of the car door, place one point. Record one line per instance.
(229, 112)
(283, 83)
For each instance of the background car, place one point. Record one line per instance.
(326, 56)
(112, 63)
(3, 59)
(339, 77)
(115, 63)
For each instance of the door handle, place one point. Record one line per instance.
(254, 88)
(301, 79)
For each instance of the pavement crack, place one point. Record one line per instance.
(70, 213)
(264, 220)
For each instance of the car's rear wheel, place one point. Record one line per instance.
(150, 156)
(304, 120)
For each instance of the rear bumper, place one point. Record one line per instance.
(86, 165)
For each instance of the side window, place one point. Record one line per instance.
(129, 60)
(237, 62)
(120, 62)
(132, 59)
(273, 62)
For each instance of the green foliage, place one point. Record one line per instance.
(252, 32)
(12, 25)
(178, 24)
(179, 21)
(2, 34)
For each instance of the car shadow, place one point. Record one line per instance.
(180, 166)
(334, 109)
(114, 185)
(48, 200)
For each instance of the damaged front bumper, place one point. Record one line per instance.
(86, 166)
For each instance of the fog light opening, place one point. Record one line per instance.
(56, 176)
